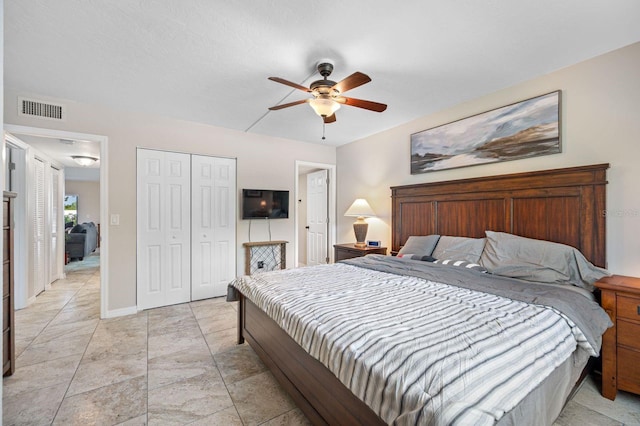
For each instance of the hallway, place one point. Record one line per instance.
(172, 365)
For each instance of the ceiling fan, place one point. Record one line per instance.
(327, 95)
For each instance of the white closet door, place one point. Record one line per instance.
(56, 207)
(163, 251)
(39, 261)
(317, 218)
(213, 218)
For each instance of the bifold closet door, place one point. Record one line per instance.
(40, 265)
(164, 232)
(55, 259)
(213, 232)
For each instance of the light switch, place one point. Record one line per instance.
(115, 219)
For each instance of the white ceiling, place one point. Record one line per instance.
(208, 61)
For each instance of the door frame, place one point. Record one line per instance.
(104, 199)
(301, 168)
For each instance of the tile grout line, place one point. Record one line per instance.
(83, 353)
(51, 320)
(215, 364)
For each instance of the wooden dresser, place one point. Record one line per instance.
(349, 251)
(621, 343)
(8, 324)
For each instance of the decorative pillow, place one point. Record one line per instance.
(537, 260)
(462, 264)
(422, 245)
(459, 248)
(416, 257)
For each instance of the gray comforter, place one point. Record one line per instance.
(574, 302)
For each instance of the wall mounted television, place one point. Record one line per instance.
(265, 204)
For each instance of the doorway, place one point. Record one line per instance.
(322, 251)
(103, 178)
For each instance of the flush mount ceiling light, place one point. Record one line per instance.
(84, 160)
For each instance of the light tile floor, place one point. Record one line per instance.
(174, 365)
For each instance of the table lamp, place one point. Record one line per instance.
(360, 209)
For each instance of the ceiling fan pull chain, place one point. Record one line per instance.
(323, 127)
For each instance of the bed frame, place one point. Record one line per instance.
(562, 205)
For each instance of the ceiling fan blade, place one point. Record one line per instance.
(289, 83)
(290, 104)
(354, 80)
(330, 119)
(370, 105)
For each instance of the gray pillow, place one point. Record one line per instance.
(459, 248)
(422, 245)
(537, 260)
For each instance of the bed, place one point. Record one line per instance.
(564, 206)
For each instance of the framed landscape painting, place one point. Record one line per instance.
(525, 129)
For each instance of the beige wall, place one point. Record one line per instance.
(600, 124)
(262, 162)
(88, 199)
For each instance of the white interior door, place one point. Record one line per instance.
(317, 217)
(39, 261)
(213, 218)
(164, 231)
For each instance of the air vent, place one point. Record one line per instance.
(41, 109)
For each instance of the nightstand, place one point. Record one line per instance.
(349, 251)
(620, 343)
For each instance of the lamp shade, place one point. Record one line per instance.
(360, 208)
(324, 107)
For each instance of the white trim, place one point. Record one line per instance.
(332, 206)
(104, 199)
(22, 239)
(131, 310)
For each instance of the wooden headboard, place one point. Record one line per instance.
(562, 205)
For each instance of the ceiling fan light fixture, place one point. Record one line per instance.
(324, 107)
(84, 160)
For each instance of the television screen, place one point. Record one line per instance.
(265, 204)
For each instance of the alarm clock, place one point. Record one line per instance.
(374, 243)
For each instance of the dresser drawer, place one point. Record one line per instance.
(6, 277)
(628, 334)
(628, 307)
(6, 353)
(5, 214)
(6, 313)
(629, 370)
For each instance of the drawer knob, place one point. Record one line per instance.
(638, 309)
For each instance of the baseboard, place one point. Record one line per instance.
(131, 310)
